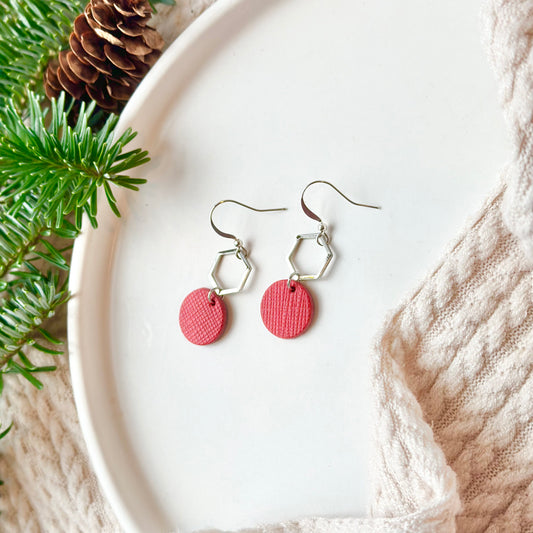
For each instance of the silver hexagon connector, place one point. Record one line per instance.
(241, 255)
(322, 240)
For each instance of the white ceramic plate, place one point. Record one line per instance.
(394, 103)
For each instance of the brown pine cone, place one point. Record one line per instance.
(111, 50)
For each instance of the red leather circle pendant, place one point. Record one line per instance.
(287, 311)
(202, 321)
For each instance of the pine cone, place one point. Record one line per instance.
(111, 50)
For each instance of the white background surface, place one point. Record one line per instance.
(392, 102)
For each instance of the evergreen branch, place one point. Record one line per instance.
(63, 166)
(24, 308)
(31, 31)
(25, 238)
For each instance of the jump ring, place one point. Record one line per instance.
(293, 277)
(322, 238)
(241, 253)
(215, 290)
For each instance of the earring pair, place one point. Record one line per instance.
(286, 307)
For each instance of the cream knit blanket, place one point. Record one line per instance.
(452, 372)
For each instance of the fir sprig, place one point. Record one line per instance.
(63, 166)
(26, 238)
(24, 309)
(48, 171)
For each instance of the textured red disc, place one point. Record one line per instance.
(202, 321)
(286, 312)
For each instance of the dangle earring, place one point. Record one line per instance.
(287, 306)
(203, 312)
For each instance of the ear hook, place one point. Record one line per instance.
(314, 216)
(229, 235)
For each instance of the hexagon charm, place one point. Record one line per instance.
(324, 244)
(240, 254)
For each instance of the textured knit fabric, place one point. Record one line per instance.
(452, 373)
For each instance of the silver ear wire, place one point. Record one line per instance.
(314, 216)
(229, 235)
